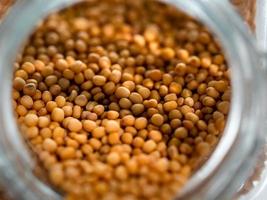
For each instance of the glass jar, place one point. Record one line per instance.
(235, 156)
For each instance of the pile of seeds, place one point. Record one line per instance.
(121, 99)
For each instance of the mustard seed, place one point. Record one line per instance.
(114, 138)
(136, 97)
(81, 100)
(28, 67)
(157, 119)
(112, 126)
(155, 135)
(223, 107)
(43, 121)
(127, 138)
(137, 109)
(57, 115)
(128, 120)
(122, 92)
(203, 148)
(74, 125)
(31, 120)
(98, 132)
(49, 145)
(19, 83)
(110, 101)
(181, 133)
(140, 123)
(208, 101)
(113, 158)
(149, 146)
(170, 105)
(99, 80)
(26, 101)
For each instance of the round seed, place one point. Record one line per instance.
(74, 125)
(149, 146)
(57, 115)
(99, 80)
(157, 119)
(122, 92)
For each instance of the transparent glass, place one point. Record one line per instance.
(235, 155)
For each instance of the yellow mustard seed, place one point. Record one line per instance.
(122, 92)
(74, 125)
(149, 146)
(157, 119)
(57, 115)
(109, 106)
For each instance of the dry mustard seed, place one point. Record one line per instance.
(49, 145)
(155, 135)
(128, 120)
(223, 107)
(81, 100)
(67, 153)
(144, 92)
(192, 117)
(137, 109)
(50, 106)
(138, 142)
(208, 101)
(113, 158)
(31, 120)
(181, 133)
(136, 97)
(127, 138)
(98, 132)
(26, 101)
(57, 115)
(122, 92)
(61, 65)
(121, 173)
(89, 125)
(31, 132)
(60, 101)
(112, 114)
(149, 146)
(170, 105)
(74, 125)
(140, 123)
(125, 103)
(99, 80)
(19, 83)
(111, 106)
(114, 138)
(203, 148)
(155, 74)
(130, 85)
(28, 67)
(43, 121)
(157, 119)
(112, 126)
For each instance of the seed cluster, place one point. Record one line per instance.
(121, 99)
